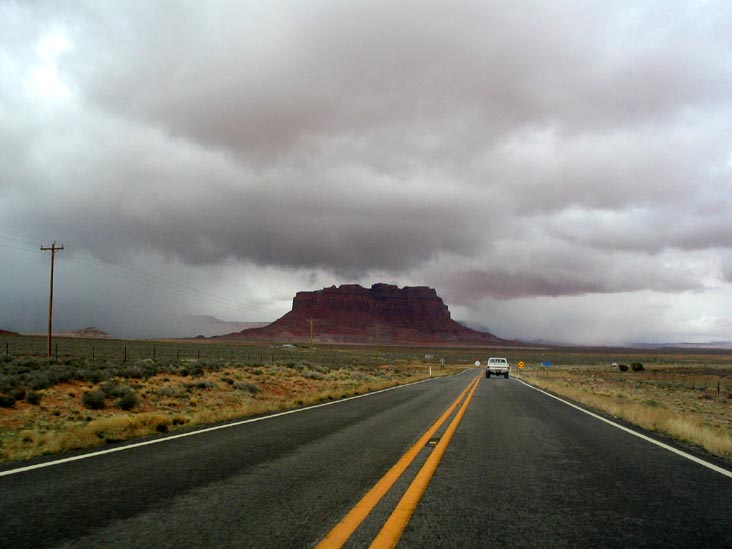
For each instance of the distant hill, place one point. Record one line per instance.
(8, 333)
(383, 313)
(721, 345)
(208, 326)
(90, 332)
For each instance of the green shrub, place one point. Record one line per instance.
(7, 402)
(17, 394)
(170, 392)
(636, 366)
(41, 380)
(129, 400)
(33, 397)
(94, 400)
(113, 389)
(623, 367)
(8, 383)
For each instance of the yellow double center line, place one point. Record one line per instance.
(397, 521)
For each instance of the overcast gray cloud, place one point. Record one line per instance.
(505, 153)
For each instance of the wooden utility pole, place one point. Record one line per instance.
(376, 339)
(310, 320)
(53, 249)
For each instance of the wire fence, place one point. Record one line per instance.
(206, 350)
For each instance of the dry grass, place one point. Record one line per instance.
(167, 402)
(697, 416)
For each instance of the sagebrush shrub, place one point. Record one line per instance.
(636, 366)
(33, 397)
(114, 389)
(129, 400)
(623, 367)
(248, 387)
(94, 400)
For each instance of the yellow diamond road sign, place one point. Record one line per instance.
(521, 365)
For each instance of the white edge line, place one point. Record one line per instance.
(201, 431)
(681, 453)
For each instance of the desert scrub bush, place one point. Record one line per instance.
(203, 385)
(8, 383)
(129, 400)
(7, 402)
(636, 366)
(196, 370)
(180, 420)
(33, 397)
(246, 387)
(623, 367)
(94, 400)
(17, 394)
(171, 392)
(93, 375)
(114, 389)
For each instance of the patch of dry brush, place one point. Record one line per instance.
(64, 418)
(653, 400)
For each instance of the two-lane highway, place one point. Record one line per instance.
(526, 470)
(279, 482)
(521, 469)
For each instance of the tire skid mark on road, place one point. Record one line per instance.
(399, 518)
(676, 451)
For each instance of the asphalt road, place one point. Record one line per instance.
(521, 470)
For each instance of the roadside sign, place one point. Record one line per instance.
(477, 363)
(521, 365)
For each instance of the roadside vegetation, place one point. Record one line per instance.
(94, 392)
(51, 406)
(691, 403)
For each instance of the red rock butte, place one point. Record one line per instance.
(383, 314)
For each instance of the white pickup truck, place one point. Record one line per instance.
(497, 367)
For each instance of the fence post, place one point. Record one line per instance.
(7, 351)
(177, 355)
(125, 357)
(56, 352)
(93, 354)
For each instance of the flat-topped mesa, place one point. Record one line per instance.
(353, 314)
(385, 300)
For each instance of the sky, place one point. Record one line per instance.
(556, 170)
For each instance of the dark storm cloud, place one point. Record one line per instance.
(498, 150)
(259, 80)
